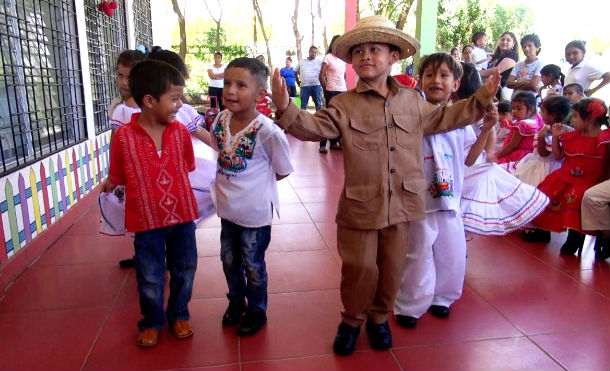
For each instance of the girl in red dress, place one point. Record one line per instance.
(526, 123)
(585, 164)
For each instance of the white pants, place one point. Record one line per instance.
(595, 208)
(435, 264)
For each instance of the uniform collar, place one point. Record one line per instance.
(362, 86)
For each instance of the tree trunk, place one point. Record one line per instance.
(324, 36)
(402, 18)
(313, 17)
(255, 35)
(217, 21)
(295, 28)
(182, 27)
(259, 15)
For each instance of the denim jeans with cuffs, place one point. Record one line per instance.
(242, 251)
(175, 245)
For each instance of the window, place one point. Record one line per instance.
(142, 23)
(41, 97)
(106, 39)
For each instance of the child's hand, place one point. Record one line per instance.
(279, 92)
(491, 157)
(493, 82)
(108, 187)
(556, 129)
(490, 119)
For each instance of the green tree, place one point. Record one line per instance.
(456, 24)
(457, 21)
(394, 10)
(205, 46)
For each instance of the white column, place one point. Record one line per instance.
(81, 26)
(131, 30)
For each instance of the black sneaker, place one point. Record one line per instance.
(252, 322)
(439, 311)
(345, 341)
(233, 313)
(406, 321)
(128, 263)
(380, 336)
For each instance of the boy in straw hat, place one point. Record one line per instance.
(381, 124)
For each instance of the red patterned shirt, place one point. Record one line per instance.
(157, 188)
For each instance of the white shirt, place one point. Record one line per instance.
(217, 83)
(525, 72)
(121, 115)
(245, 191)
(479, 54)
(187, 116)
(444, 156)
(309, 71)
(584, 74)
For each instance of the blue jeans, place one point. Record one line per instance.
(242, 251)
(176, 245)
(315, 92)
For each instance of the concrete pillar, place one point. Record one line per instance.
(351, 7)
(425, 30)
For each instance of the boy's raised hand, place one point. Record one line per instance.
(279, 92)
(493, 82)
(490, 118)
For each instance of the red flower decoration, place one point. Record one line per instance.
(596, 108)
(108, 7)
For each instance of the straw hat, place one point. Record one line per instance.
(375, 29)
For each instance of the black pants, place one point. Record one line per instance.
(216, 92)
(328, 95)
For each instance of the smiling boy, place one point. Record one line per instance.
(152, 156)
(381, 124)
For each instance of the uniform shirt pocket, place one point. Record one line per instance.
(407, 130)
(414, 185)
(362, 193)
(368, 133)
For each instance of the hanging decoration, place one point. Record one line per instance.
(108, 7)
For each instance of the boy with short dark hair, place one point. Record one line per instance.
(381, 124)
(479, 39)
(122, 107)
(152, 156)
(435, 263)
(253, 154)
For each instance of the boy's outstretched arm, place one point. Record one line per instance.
(279, 92)
(493, 82)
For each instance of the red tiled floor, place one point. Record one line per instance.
(295, 237)
(472, 318)
(48, 340)
(62, 287)
(208, 241)
(580, 350)
(292, 318)
(485, 355)
(84, 249)
(524, 306)
(369, 360)
(302, 271)
(211, 344)
(322, 211)
(292, 213)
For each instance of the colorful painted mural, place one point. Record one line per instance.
(37, 196)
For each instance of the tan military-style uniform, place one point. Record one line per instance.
(382, 153)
